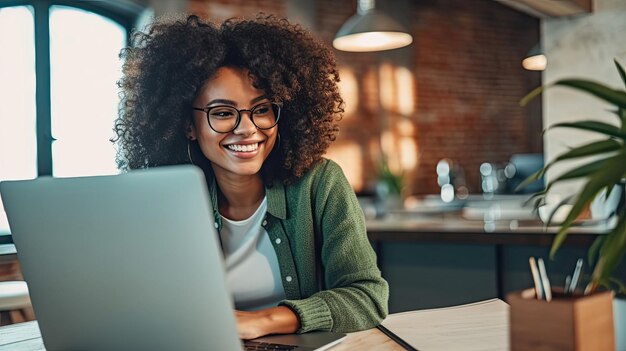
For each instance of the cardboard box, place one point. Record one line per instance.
(572, 323)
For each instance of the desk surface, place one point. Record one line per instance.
(480, 326)
(25, 336)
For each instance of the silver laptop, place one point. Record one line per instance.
(127, 262)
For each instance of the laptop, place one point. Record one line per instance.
(128, 262)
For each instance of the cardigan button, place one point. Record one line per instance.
(216, 225)
(264, 223)
(277, 241)
(288, 279)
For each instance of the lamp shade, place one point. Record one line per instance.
(535, 59)
(371, 30)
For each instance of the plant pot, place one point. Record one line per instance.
(573, 323)
(387, 199)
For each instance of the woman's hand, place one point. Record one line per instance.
(275, 320)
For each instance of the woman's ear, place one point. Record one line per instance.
(191, 132)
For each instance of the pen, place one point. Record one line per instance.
(536, 280)
(568, 281)
(545, 282)
(396, 338)
(576, 276)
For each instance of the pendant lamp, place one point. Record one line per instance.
(535, 59)
(371, 30)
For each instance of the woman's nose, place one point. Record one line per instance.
(246, 126)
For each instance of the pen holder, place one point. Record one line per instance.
(573, 323)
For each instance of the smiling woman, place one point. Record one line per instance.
(279, 59)
(234, 144)
(255, 104)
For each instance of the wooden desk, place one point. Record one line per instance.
(482, 326)
(9, 265)
(8, 253)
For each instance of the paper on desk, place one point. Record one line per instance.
(479, 326)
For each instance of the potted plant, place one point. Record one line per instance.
(389, 186)
(604, 172)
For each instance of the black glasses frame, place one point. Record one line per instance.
(276, 106)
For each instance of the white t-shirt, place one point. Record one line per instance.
(252, 271)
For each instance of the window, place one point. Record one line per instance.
(18, 146)
(84, 69)
(58, 93)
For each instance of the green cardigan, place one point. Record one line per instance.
(323, 202)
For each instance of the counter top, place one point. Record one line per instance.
(502, 220)
(453, 227)
(498, 219)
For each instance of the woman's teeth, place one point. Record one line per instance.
(244, 148)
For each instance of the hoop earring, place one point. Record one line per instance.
(189, 151)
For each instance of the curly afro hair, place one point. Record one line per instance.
(165, 68)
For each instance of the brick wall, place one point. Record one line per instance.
(462, 75)
(219, 10)
(467, 65)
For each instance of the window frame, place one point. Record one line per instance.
(123, 12)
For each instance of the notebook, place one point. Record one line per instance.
(128, 262)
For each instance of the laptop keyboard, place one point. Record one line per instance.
(255, 345)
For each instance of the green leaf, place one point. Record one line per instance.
(621, 114)
(531, 178)
(594, 148)
(594, 248)
(538, 196)
(616, 97)
(533, 94)
(621, 71)
(394, 181)
(617, 112)
(611, 173)
(594, 126)
(583, 171)
(598, 147)
(540, 202)
(613, 249)
(610, 188)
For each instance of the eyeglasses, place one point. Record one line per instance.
(225, 119)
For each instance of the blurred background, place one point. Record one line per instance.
(452, 94)
(435, 122)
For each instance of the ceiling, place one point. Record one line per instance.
(536, 8)
(550, 8)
